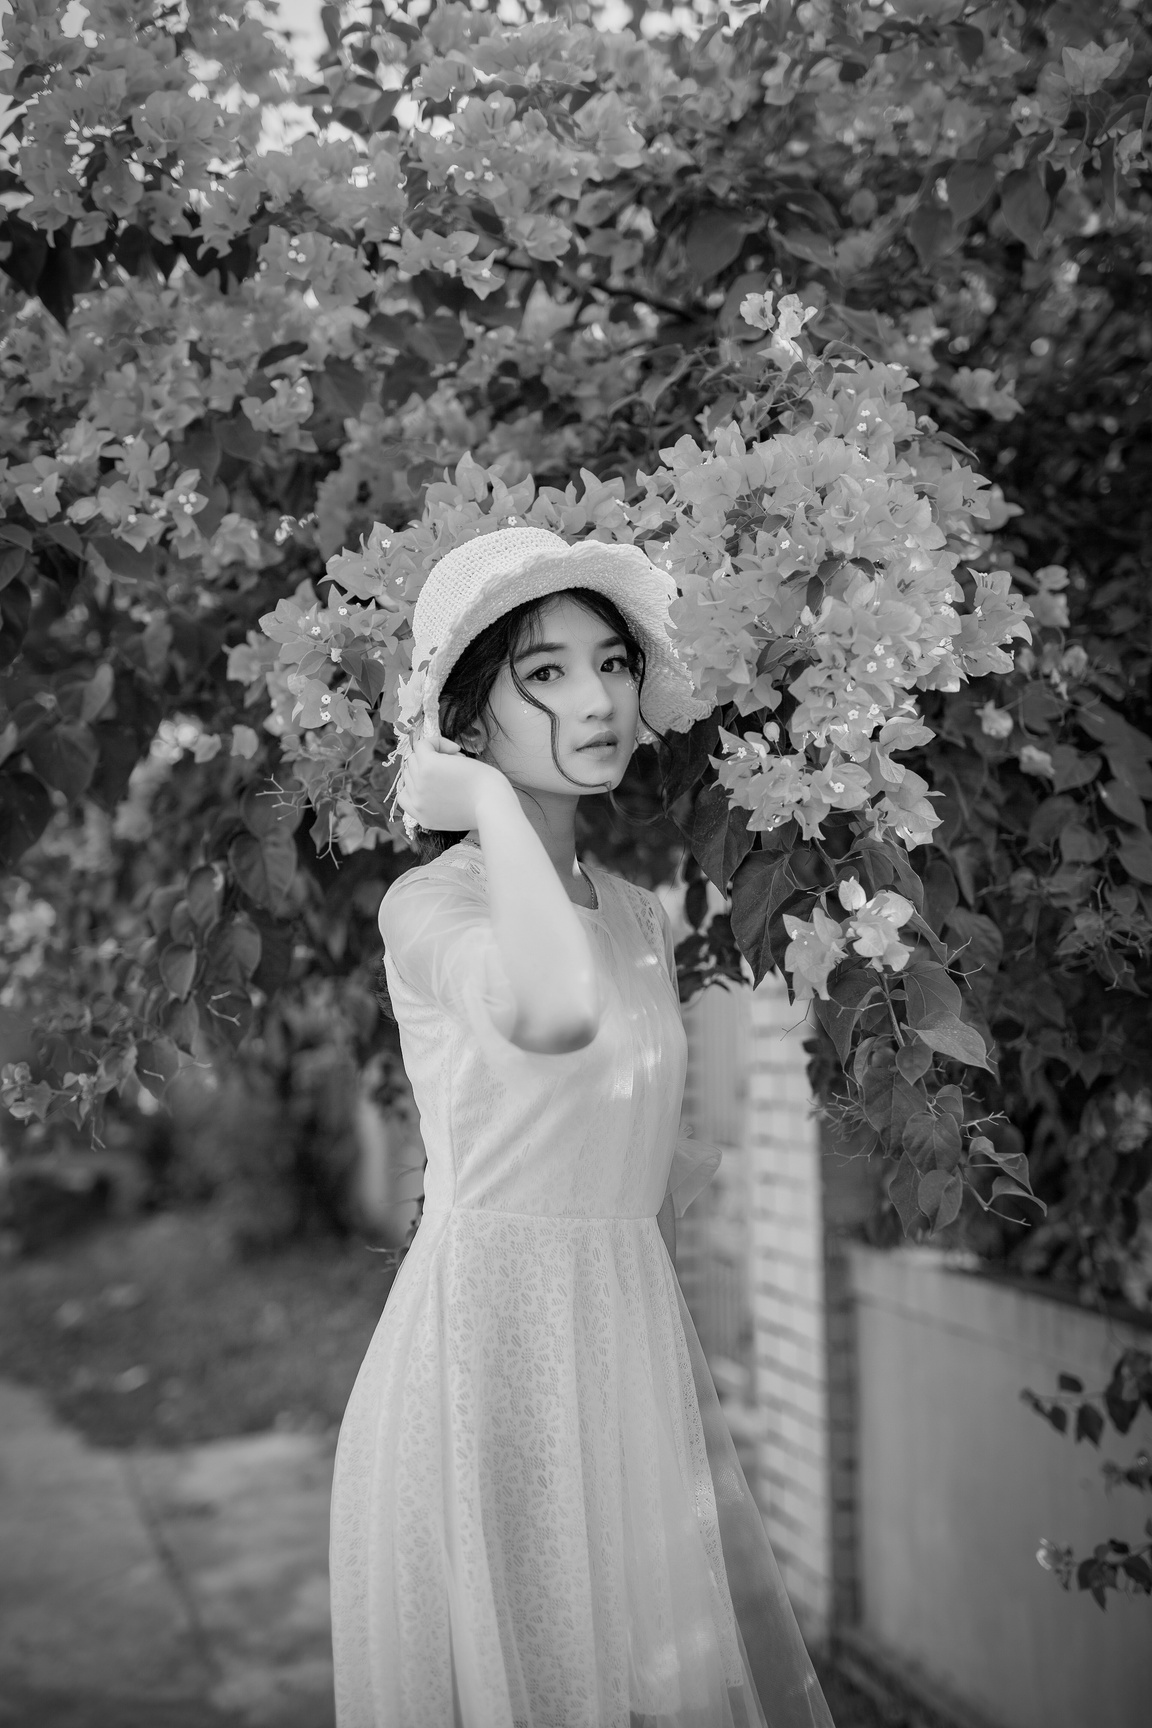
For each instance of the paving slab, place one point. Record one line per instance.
(149, 1589)
(246, 1525)
(86, 1600)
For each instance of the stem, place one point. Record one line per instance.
(900, 1040)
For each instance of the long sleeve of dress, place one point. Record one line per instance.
(694, 1162)
(439, 942)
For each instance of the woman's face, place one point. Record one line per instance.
(579, 669)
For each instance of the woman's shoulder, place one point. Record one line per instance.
(451, 875)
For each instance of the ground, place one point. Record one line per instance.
(156, 1333)
(153, 1335)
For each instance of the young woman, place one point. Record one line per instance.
(539, 1519)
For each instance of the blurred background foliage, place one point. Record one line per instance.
(960, 189)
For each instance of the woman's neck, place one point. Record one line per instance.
(554, 819)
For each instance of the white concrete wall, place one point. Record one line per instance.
(959, 1481)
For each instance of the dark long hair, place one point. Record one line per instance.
(464, 700)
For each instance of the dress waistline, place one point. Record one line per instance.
(572, 1218)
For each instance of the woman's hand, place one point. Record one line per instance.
(442, 788)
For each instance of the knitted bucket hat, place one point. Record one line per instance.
(482, 579)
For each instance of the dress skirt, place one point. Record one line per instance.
(539, 1519)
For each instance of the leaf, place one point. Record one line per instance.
(1089, 1422)
(969, 43)
(939, 1196)
(438, 340)
(970, 185)
(714, 239)
(182, 1024)
(902, 1187)
(65, 757)
(1121, 1406)
(932, 1141)
(1136, 857)
(889, 1103)
(1125, 803)
(720, 837)
(15, 613)
(761, 887)
(980, 944)
(157, 1061)
(13, 535)
(913, 1060)
(1025, 205)
(230, 1014)
(178, 969)
(932, 232)
(949, 1036)
(275, 957)
(203, 896)
(124, 560)
(941, 894)
(951, 1098)
(838, 1015)
(25, 810)
(1072, 767)
(264, 868)
(265, 809)
(929, 991)
(237, 436)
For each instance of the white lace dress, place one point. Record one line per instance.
(538, 1516)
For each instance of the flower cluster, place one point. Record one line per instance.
(818, 944)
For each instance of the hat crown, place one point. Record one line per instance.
(457, 578)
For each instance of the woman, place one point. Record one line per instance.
(539, 1519)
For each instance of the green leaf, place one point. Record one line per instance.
(932, 1141)
(939, 1196)
(178, 968)
(65, 757)
(949, 1036)
(720, 837)
(13, 535)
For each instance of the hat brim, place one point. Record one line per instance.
(623, 574)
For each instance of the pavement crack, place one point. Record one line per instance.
(199, 1636)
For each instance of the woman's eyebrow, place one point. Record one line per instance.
(562, 647)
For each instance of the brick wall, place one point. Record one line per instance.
(790, 1325)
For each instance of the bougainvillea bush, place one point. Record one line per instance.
(836, 309)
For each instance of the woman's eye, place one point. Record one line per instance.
(539, 670)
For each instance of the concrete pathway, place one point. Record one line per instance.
(161, 1589)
